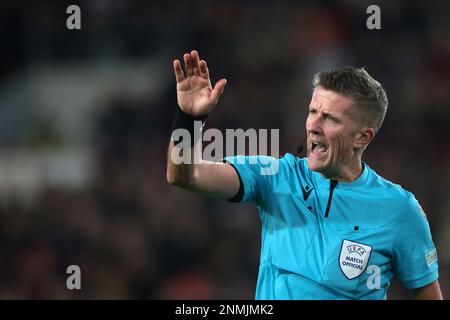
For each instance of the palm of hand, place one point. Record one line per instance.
(194, 95)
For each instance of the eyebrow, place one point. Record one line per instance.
(325, 113)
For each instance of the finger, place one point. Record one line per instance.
(196, 62)
(204, 72)
(218, 89)
(188, 65)
(179, 75)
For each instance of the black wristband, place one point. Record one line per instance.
(183, 120)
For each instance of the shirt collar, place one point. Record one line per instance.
(361, 180)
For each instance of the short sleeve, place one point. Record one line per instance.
(415, 256)
(259, 174)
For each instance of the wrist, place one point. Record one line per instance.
(186, 121)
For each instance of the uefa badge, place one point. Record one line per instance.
(353, 258)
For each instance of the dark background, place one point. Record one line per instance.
(85, 119)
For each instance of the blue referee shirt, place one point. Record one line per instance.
(323, 239)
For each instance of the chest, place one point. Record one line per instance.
(340, 248)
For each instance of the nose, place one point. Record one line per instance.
(313, 125)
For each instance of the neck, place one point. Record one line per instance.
(347, 173)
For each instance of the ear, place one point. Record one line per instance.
(364, 137)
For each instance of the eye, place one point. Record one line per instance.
(331, 118)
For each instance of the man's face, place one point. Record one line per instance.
(331, 132)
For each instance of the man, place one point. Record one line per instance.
(331, 227)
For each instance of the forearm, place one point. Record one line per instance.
(429, 292)
(213, 179)
(182, 174)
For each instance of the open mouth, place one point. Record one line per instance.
(318, 148)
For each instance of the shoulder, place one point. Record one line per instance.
(267, 167)
(391, 189)
(290, 160)
(387, 189)
(290, 164)
(397, 201)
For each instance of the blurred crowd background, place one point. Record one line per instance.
(85, 119)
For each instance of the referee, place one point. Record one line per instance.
(332, 228)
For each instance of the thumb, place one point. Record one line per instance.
(218, 89)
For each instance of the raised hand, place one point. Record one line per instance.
(195, 94)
